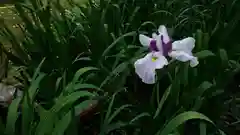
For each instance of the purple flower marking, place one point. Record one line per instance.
(167, 47)
(153, 46)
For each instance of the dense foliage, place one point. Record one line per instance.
(74, 62)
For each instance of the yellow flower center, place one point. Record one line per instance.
(154, 58)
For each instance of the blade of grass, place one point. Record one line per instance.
(106, 51)
(204, 54)
(164, 98)
(109, 108)
(85, 86)
(12, 116)
(27, 107)
(62, 125)
(114, 126)
(117, 112)
(180, 119)
(139, 116)
(61, 102)
(46, 124)
(81, 71)
(203, 128)
(29, 95)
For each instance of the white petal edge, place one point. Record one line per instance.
(154, 35)
(144, 40)
(163, 30)
(184, 57)
(186, 44)
(145, 68)
(149, 77)
(194, 62)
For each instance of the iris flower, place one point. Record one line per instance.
(161, 46)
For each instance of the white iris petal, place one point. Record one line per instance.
(182, 51)
(186, 44)
(144, 40)
(163, 31)
(146, 67)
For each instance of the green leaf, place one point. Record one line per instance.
(221, 132)
(197, 95)
(58, 82)
(131, 18)
(37, 71)
(62, 101)
(119, 69)
(147, 23)
(84, 106)
(34, 86)
(15, 44)
(117, 112)
(27, 110)
(106, 51)
(197, 104)
(47, 119)
(204, 54)
(203, 128)
(202, 88)
(164, 98)
(79, 86)
(62, 124)
(109, 108)
(180, 119)
(215, 28)
(113, 127)
(12, 116)
(199, 39)
(16, 60)
(138, 117)
(45, 124)
(81, 59)
(81, 71)
(223, 56)
(215, 1)
(40, 109)
(206, 39)
(185, 72)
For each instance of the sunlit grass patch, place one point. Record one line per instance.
(9, 15)
(11, 19)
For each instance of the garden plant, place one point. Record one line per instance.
(120, 67)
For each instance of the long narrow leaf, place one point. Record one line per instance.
(180, 119)
(116, 41)
(69, 99)
(85, 86)
(117, 112)
(138, 117)
(12, 116)
(81, 71)
(109, 110)
(160, 105)
(47, 119)
(27, 110)
(62, 125)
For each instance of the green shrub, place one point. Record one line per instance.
(104, 34)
